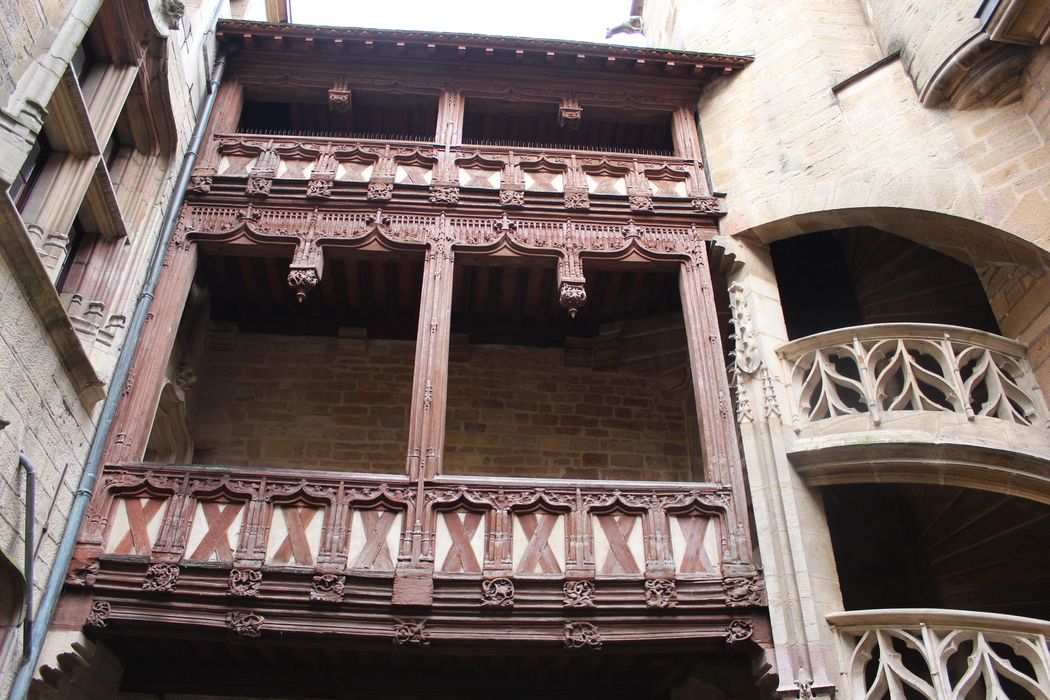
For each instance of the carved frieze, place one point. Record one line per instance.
(661, 593)
(244, 583)
(200, 184)
(258, 186)
(512, 199)
(411, 633)
(582, 635)
(444, 194)
(161, 578)
(641, 203)
(319, 188)
(742, 591)
(246, 623)
(579, 594)
(706, 205)
(98, 616)
(497, 593)
(577, 200)
(83, 576)
(380, 190)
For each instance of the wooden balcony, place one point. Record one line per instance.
(918, 403)
(941, 654)
(344, 169)
(260, 552)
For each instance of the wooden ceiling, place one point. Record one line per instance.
(245, 669)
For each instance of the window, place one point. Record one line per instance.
(29, 175)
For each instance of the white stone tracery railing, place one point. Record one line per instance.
(942, 655)
(883, 368)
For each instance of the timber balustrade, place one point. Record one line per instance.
(261, 166)
(883, 369)
(941, 654)
(247, 549)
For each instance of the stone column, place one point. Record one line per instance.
(793, 537)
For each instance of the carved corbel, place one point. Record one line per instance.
(570, 113)
(512, 184)
(582, 635)
(339, 97)
(381, 184)
(308, 262)
(260, 178)
(639, 191)
(572, 293)
(319, 187)
(577, 197)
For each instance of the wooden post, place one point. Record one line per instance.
(711, 392)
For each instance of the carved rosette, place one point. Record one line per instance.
(200, 184)
(83, 576)
(320, 188)
(244, 583)
(98, 616)
(411, 633)
(380, 190)
(744, 591)
(245, 623)
(706, 205)
(444, 194)
(577, 200)
(641, 202)
(661, 593)
(258, 186)
(582, 635)
(328, 588)
(511, 198)
(497, 593)
(302, 281)
(161, 578)
(579, 594)
(739, 631)
(572, 296)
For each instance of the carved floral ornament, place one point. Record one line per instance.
(313, 231)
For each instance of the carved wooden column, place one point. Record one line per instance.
(226, 115)
(413, 580)
(449, 128)
(684, 134)
(711, 392)
(134, 419)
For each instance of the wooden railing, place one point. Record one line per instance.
(883, 369)
(941, 654)
(510, 173)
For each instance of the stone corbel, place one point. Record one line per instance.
(339, 98)
(570, 113)
(51, 245)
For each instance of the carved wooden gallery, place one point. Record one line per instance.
(441, 307)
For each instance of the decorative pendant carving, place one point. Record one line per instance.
(739, 631)
(577, 200)
(497, 593)
(244, 583)
(572, 296)
(582, 635)
(570, 113)
(302, 281)
(661, 593)
(579, 594)
(743, 591)
(511, 198)
(161, 578)
(380, 190)
(98, 616)
(444, 194)
(245, 623)
(328, 588)
(804, 683)
(200, 184)
(641, 202)
(319, 189)
(411, 633)
(339, 98)
(258, 186)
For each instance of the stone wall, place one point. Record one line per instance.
(331, 403)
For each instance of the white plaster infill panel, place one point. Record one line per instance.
(619, 546)
(374, 539)
(295, 536)
(134, 525)
(459, 542)
(538, 544)
(215, 531)
(696, 544)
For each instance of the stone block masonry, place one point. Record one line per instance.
(326, 403)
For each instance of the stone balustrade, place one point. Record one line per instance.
(917, 403)
(941, 654)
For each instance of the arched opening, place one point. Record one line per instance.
(925, 546)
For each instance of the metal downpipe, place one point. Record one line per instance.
(82, 498)
(27, 568)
